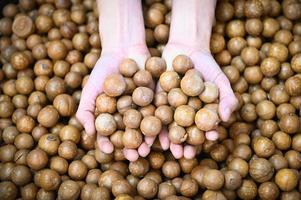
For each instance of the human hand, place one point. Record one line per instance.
(107, 64)
(122, 34)
(206, 65)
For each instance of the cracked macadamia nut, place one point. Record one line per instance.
(177, 134)
(184, 115)
(48, 116)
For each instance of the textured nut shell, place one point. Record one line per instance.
(114, 85)
(192, 84)
(105, 124)
(150, 126)
(210, 93)
(206, 119)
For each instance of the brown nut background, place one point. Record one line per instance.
(47, 52)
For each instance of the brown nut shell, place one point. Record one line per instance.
(206, 119)
(192, 83)
(150, 126)
(114, 85)
(105, 124)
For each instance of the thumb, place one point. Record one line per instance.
(86, 118)
(163, 138)
(85, 112)
(145, 147)
(228, 102)
(104, 144)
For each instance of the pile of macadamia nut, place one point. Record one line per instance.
(182, 103)
(49, 47)
(125, 112)
(129, 108)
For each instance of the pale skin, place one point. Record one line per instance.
(190, 33)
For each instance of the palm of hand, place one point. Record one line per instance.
(108, 64)
(206, 65)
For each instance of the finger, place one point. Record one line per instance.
(163, 138)
(210, 70)
(228, 101)
(176, 150)
(189, 151)
(149, 140)
(130, 154)
(105, 66)
(104, 144)
(212, 135)
(87, 120)
(85, 112)
(227, 105)
(144, 149)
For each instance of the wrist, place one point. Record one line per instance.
(191, 23)
(121, 24)
(186, 49)
(125, 52)
(194, 45)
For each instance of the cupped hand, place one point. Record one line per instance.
(107, 64)
(206, 65)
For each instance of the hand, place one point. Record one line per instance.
(107, 64)
(122, 34)
(206, 65)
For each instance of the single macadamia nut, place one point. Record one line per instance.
(286, 179)
(156, 66)
(169, 80)
(182, 64)
(206, 119)
(143, 96)
(210, 93)
(114, 85)
(128, 67)
(184, 115)
(131, 138)
(192, 83)
(150, 126)
(105, 124)
(177, 134)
